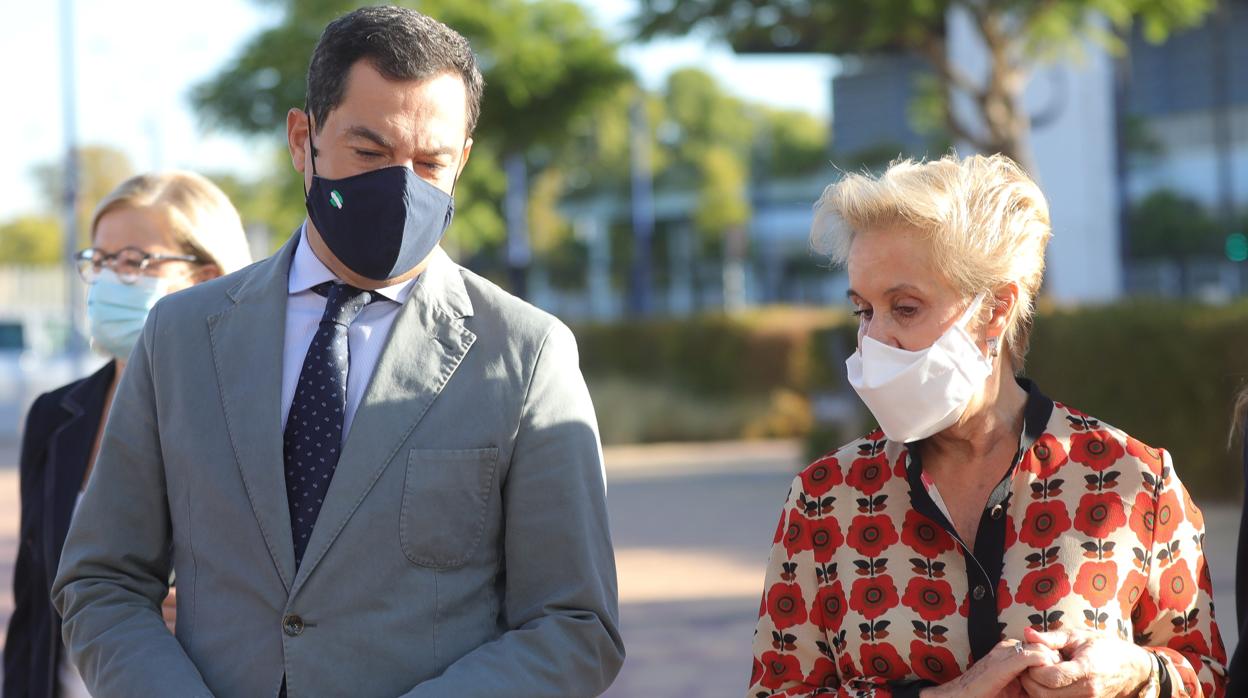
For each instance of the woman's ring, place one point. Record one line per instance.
(1018, 648)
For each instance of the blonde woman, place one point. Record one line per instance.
(985, 540)
(154, 235)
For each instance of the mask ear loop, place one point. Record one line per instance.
(461, 169)
(311, 145)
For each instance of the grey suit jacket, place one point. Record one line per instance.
(462, 548)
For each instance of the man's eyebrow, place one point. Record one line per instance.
(369, 134)
(444, 150)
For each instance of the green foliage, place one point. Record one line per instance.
(865, 26)
(272, 200)
(722, 201)
(794, 143)
(543, 62)
(1166, 224)
(1017, 33)
(100, 169)
(545, 66)
(1166, 373)
(31, 240)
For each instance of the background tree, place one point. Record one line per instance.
(33, 240)
(1017, 33)
(100, 169)
(543, 60)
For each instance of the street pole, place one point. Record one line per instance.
(643, 208)
(75, 345)
(516, 214)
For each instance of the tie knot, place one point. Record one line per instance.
(343, 302)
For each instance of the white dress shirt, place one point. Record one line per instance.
(365, 338)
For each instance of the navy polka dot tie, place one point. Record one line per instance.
(313, 435)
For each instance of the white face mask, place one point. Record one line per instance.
(914, 394)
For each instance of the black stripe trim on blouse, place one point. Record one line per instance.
(984, 567)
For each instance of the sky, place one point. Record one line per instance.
(137, 60)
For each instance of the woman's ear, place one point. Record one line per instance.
(206, 272)
(1004, 303)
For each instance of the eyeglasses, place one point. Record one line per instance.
(128, 263)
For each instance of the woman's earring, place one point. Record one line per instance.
(993, 351)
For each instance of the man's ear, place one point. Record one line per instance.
(297, 138)
(463, 158)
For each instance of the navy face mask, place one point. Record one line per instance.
(379, 224)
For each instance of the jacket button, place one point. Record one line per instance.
(292, 625)
(979, 592)
(997, 511)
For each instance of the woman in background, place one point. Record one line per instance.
(153, 235)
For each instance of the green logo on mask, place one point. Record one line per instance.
(336, 199)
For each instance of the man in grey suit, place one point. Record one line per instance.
(373, 472)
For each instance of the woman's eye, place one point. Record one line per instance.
(367, 154)
(862, 313)
(905, 311)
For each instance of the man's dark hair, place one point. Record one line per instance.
(401, 44)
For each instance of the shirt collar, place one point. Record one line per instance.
(306, 271)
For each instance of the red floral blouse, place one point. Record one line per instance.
(870, 591)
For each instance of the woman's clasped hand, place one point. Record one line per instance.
(1057, 664)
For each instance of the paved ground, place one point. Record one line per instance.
(692, 526)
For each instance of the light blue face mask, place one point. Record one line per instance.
(116, 311)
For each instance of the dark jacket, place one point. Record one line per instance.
(1237, 672)
(56, 447)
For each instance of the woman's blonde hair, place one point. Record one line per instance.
(200, 215)
(987, 221)
(1238, 414)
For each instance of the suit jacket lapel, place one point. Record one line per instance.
(426, 344)
(248, 340)
(69, 456)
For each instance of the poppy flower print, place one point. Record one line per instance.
(780, 669)
(1099, 514)
(1168, 517)
(933, 662)
(882, 660)
(869, 590)
(870, 535)
(873, 596)
(823, 675)
(1097, 582)
(868, 475)
(797, 536)
(1045, 458)
(1096, 449)
(1043, 589)
(1177, 587)
(1043, 522)
(828, 610)
(931, 599)
(821, 477)
(786, 605)
(924, 536)
(825, 538)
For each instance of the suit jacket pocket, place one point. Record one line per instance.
(445, 502)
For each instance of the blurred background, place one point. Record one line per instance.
(645, 169)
